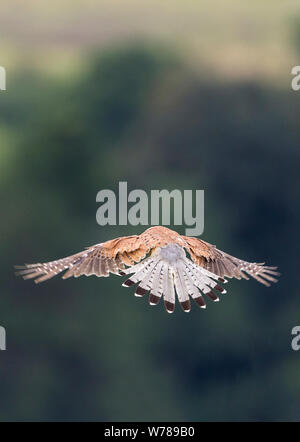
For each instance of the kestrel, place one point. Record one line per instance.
(159, 265)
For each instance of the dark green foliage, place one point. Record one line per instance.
(86, 348)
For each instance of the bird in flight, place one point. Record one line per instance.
(158, 265)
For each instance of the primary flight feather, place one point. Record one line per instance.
(158, 264)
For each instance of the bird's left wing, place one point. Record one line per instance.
(100, 260)
(224, 265)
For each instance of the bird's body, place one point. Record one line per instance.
(159, 265)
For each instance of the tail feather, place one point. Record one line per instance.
(161, 278)
(181, 288)
(138, 267)
(169, 296)
(157, 284)
(203, 282)
(193, 290)
(146, 280)
(141, 270)
(202, 274)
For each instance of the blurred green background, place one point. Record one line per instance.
(185, 95)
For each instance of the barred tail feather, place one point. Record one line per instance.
(203, 282)
(169, 295)
(157, 284)
(161, 275)
(140, 271)
(181, 288)
(193, 290)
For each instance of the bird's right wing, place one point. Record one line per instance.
(224, 265)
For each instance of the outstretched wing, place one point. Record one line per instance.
(220, 263)
(100, 260)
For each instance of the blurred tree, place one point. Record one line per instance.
(86, 349)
